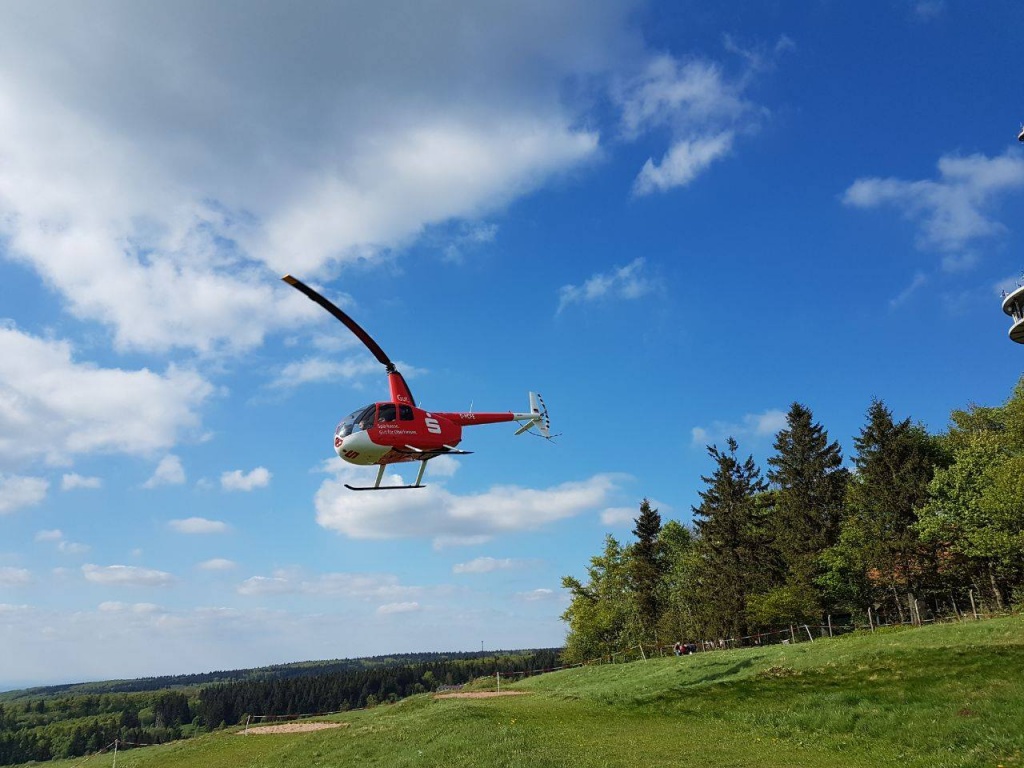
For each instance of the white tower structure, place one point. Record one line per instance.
(1013, 305)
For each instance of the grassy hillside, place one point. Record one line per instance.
(950, 695)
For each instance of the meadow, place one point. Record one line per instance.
(941, 695)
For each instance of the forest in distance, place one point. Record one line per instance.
(921, 525)
(68, 721)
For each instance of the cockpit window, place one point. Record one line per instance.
(386, 412)
(357, 421)
(405, 413)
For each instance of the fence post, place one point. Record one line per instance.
(642, 654)
(792, 634)
(871, 623)
(499, 680)
(830, 625)
(809, 636)
(974, 608)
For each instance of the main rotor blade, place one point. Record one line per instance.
(351, 324)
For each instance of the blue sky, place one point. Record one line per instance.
(671, 219)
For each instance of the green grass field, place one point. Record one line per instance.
(948, 695)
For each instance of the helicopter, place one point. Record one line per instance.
(397, 431)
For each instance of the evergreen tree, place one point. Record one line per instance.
(895, 462)
(731, 530)
(646, 568)
(807, 510)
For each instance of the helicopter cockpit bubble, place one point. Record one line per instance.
(357, 421)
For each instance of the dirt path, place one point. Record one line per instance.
(478, 694)
(291, 728)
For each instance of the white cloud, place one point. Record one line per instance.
(14, 577)
(294, 581)
(952, 212)
(751, 426)
(54, 408)
(435, 512)
(239, 481)
(198, 525)
(168, 472)
(619, 515)
(63, 545)
(217, 564)
(488, 564)
(313, 370)
(702, 108)
(72, 547)
(352, 130)
(690, 94)
(126, 575)
(684, 161)
(624, 283)
(70, 482)
(391, 608)
(17, 492)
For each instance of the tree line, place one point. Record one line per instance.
(70, 724)
(917, 524)
(229, 703)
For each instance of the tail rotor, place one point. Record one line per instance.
(537, 417)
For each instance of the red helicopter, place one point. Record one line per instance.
(395, 431)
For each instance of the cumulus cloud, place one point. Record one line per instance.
(751, 426)
(53, 407)
(198, 525)
(953, 212)
(237, 480)
(168, 472)
(623, 283)
(353, 129)
(126, 575)
(17, 492)
(70, 482)
(437, 513)
(14, 577)
(489, 564)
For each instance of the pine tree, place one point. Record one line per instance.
(731, 533)
(646, 568)
(895, 462)
(808, 503)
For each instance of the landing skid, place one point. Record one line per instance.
(380, 476)
(381, 487)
